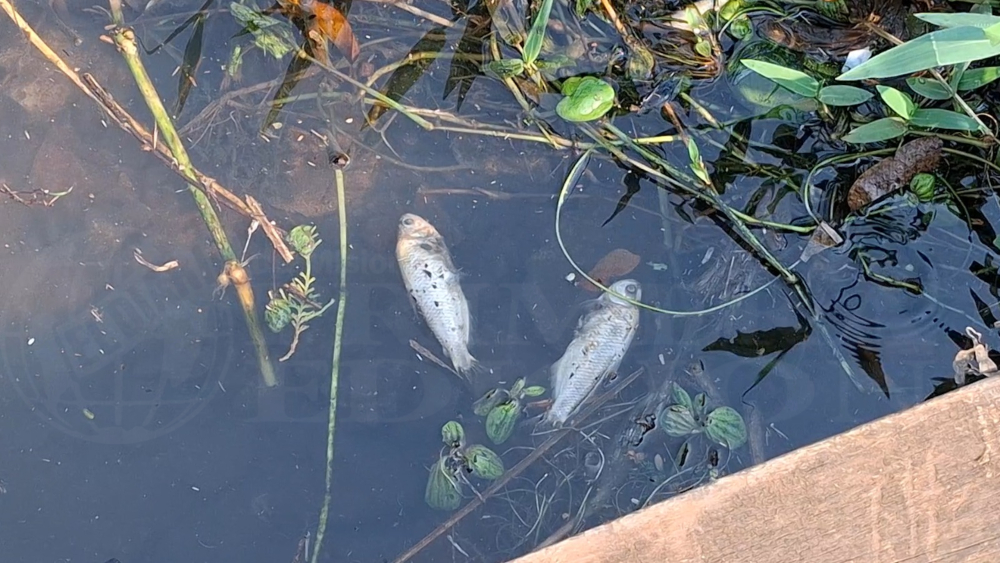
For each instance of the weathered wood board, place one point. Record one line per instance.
(918, 486)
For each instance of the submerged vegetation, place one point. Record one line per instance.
(775, 156)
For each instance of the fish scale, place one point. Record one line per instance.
(432, 282)
(600, 342)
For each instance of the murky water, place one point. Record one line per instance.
(132, 421)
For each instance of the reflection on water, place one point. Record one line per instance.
(132, 419)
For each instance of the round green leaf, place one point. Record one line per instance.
(943, 119)
(443, 492)
(483, 462)
(678, 421)
(533, 391)
(452, 434)
(681, 397)
(725, 426)
(922, 185)
(501, 420)
(586, 99)
(485, 404)
(878, 130)
(842, 95)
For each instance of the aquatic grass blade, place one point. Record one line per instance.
(948, 46)
(406, 75)
(843, 95)
(791, 79)
(898, 101)
(934, 118)
(878, 130)
(462, 71)
(930, 89)
(533, 44)
(190, 62)
(982, 21)
(977, 77)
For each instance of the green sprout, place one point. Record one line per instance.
(296, 303)
(448, 474)
(502, 408)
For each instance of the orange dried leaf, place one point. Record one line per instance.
(333, 26)
(615, 264)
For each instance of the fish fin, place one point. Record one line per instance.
(465, 364)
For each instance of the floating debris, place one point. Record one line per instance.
(615, 264)
(893, 173)
(823, 237)
(974, 361)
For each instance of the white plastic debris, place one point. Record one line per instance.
(570, 277)
(856, 57)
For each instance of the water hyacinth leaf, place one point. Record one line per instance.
(977, 77)
(959, 20)
(930, 89)
(502, 419)
(791, 79)
(679, 421)
(899, 102)
(483, 462)
(533, 44)
(405, 76)
(876, 131)
(842, 95)
(699, 403)
(944, 47)
(534, 391)
(943, 119)
(504, 68)
(490, 399)
(452, 434)
(681, 397)
(443, 491)
(725, 427)
(515, 390)
(586, 99)
(922, 185)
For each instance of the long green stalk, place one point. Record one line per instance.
(124, 39)
(324, 512)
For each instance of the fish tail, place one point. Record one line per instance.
(464, 363)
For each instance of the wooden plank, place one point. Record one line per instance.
(918, 486)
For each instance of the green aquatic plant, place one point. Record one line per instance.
(447, 475)
(586, 98)
(689, 417)
(503, 407)
(296, 303)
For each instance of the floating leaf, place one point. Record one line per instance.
(898, 101)
(483, 462)
(922, 185)
(681, 397)
(794, 80)
(515, 390)
(890, 174)
(452, 434)
(485, 404)
(930, 89)
(586, 99)
(842, 95)
(944, 47)
(502, 419)
(725, 426)
(443, 492)
(974, 78)
(934, 118)
(329, 24)
(504, 68)
(536, 36)
(615, 264)
(534, 391)
(679, 421)
(878, 130)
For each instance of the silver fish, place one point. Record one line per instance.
(602, 338)
(433, 284)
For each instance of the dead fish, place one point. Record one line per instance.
(433, 284)
(602, 338)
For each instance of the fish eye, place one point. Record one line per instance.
(408, 222)
(631, 288)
